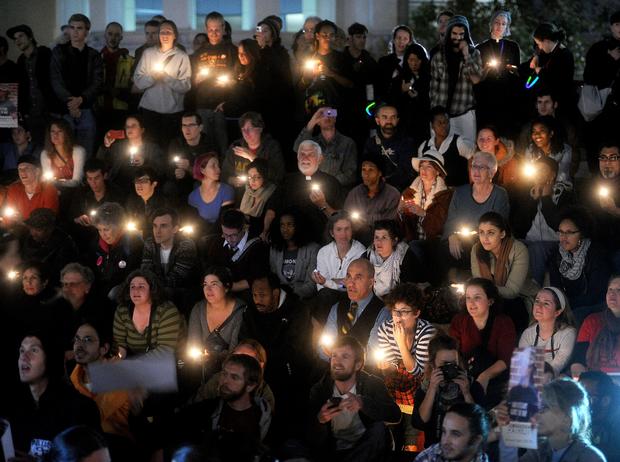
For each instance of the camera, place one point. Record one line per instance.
(450, 371)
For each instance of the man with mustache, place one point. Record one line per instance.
(455, 69)
(393, 146)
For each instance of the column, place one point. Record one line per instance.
(248, 14)
(182, 12)
(265, 8)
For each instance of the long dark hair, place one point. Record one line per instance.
(252, 50)
(69, 142)
(497, 220)
(557, 141)
(420, 52)
(549, 31)
(302, 236)
(490, 290)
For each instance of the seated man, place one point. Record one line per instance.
(171, 257)
(116, 252)
(394, 145)
(146, 200)
(349, 409)
(316, 193)
(372, 200)
(464, 433)
(91, 344)
(232, 426)
(246, 257)
(360, 314)
(10, 152)
(31, 192)
(44, 405)
(47, 243)
(339, 151)
(184, 150)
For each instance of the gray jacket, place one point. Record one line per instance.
(302, 283)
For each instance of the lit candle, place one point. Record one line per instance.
(158, 67)
(459, 288)
(187, 229)
(493, 63)
(355, 215)
(223, 79)
(603, 191)
(315, 187)
(310, 64)
(204, 72)
(465, 231)
(12, 275)
(176, 159)
(195, 353)
(131, 226)
(379, 355)
(243, 178)
(529, 170)
(48, 175)
(326, 340)
(133, 150)
(92, 213)
(9, 212)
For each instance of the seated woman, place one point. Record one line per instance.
(579, 266)
(214, 322)
(145, 322)
(332, 262)
(546, 140)
(507, 174)
(553, 329)
(260, 201)
(535, 215)
(597, 342)
(468, 204)
(500, 258)
(401, 348)
(125, 153)
(292, 255)
(486, 337)
(423, 208)
(455, 150)
(209, 198)
(392, 258)
(62, 159)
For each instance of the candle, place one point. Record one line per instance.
(92, 213)
(327, 340)
(355, 215)
(459, 288)
(187, 229)
(223, 79)
(603, 191)
(9, 212)
(243, 178)
(204, 72)
(12, 275)
(493, 62)
(310, 64)
(158, 67)
(379, 355)
(48, 175)
(465, 231)
(131, 226)
(176, 159)
(529, 170)
(315, 187)
(195, 353)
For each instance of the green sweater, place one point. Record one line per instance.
(166, 325)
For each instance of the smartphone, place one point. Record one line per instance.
(334, 401)
(331, 112)
(116, 134)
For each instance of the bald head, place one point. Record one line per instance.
(360, 279)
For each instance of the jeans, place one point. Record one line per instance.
(85, 130)
(465, 125)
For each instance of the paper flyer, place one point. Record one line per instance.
(8, 105)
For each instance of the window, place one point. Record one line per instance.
(146, 9)
(292, 13)
(231, 9)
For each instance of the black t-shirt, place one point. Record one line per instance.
(288, 264)
(245, 423)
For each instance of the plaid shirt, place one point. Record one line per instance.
(463, 99)
(433, 454)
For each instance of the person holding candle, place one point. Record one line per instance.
(164, 74)
(212, 195)
(553, 328)
(145, 199)
(292, 255)
(393, 260)
(124, 156)
(145, 322)
(372, 200)
(499, 89)
(403, 345)
(455, 149)
(254, 144)
(394, 62)
(579, 266)
(61, 157)
(536, 213)
(500, 258)
(486, 337)
(468, 204)
(547, 141)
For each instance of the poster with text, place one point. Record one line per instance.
(8, 105)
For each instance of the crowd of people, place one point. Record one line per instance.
(340, 253)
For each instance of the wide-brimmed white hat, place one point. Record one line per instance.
(430, 156)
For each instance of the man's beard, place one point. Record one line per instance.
(608, 174)
(229, 396)
(341, 376)
(388, 129)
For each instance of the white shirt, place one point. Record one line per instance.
(331, 266)
(78, 157)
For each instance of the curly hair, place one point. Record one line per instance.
(302, 236)
(155, 288)
(407, 293)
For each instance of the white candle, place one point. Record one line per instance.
(603, 191)
(327, 340)
(131, 226)
(12, 275)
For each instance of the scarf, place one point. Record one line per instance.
(253, 202)
(572, 263)
(501, 264)
(424, 200)
(602, 349)
(387, 272)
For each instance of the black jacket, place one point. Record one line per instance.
(42, 76)
(112, 265)
(526, 208)
(182, 263)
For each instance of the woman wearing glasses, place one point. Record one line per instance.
(260, 199)
(579, 266)
(214, 322)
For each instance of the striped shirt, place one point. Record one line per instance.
(424, 332)
(166, 330)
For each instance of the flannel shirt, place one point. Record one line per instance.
(463, 99)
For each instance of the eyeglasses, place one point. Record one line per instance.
(479, 167)
(86, 340)
(568, 232)
(608, 158)
(401, 313)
